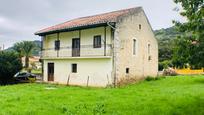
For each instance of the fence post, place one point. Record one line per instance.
(87, 83)
(108, 79)
(68, 79)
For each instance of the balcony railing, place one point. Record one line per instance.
(83, 51)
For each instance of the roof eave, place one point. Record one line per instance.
(70, 29)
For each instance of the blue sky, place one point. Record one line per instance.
(19, 19)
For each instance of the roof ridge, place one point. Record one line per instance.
(99, 14)
(89, 20)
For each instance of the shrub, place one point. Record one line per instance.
(10, 64)
(165, 64)
(149, 78)
(170, 72)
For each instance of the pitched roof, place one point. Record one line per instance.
(87, 21)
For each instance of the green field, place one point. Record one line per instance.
(171, 95)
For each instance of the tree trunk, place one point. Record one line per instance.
(26, 62)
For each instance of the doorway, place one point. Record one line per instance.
(50, 71)
(76, 47)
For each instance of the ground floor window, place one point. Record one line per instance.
(74, 68)
(127, 70)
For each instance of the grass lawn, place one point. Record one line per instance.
(171, 95)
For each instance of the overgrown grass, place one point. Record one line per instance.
(172, 95)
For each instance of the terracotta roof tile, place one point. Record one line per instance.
(87, 21)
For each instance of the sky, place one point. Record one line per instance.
(20, 19)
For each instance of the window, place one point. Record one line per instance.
(97, 41)
(74, 68)
(57, 44)
(140, 26)
(134, 46)
(127, 70)
(149, 48)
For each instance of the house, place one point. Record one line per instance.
(100, 50)
(33, 61)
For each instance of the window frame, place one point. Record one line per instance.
(140, 26)
(74, 68)
(57, 44)
(148, 48)
(97, 41)
(134, 47)
(127, 70)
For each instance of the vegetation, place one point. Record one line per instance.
(35, 51)
(24, 48)
(9, 66)
(166, 38)
(189, 48)
(182, 95)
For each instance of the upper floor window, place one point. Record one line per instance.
(97, 41)
(140, 26)
(134, 46)
(57, 44)
(149, 48)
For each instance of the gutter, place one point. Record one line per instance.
(110, 24)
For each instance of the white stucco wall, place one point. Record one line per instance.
(98, 70)
(91, 62)
(86, 41)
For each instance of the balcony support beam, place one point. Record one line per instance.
(104, 40)
(58, 40)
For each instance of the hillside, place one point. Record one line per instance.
(165, 39)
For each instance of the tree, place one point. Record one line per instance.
(25, 49)
(190, 46)
(18, 48)
(9, 66)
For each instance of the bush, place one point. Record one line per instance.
(165, 64)
(149, 78)
(10, 64)
(170, 72)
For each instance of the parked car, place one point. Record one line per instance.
(24, 77)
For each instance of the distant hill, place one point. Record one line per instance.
(165, 39)
(36, 51)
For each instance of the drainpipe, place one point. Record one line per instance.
(104, 41)
(114, 57)
(41, 55)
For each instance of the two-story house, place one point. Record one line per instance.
(100, 50)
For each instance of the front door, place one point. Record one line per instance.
(75, 47)
(50, 71)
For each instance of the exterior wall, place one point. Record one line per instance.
(91, 62)
(86, 40)
(127, 29)
(139, 65)
(98, 70)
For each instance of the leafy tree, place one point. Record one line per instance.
(190, 46)
(9, 66)
(18, 48)
(25, 48)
